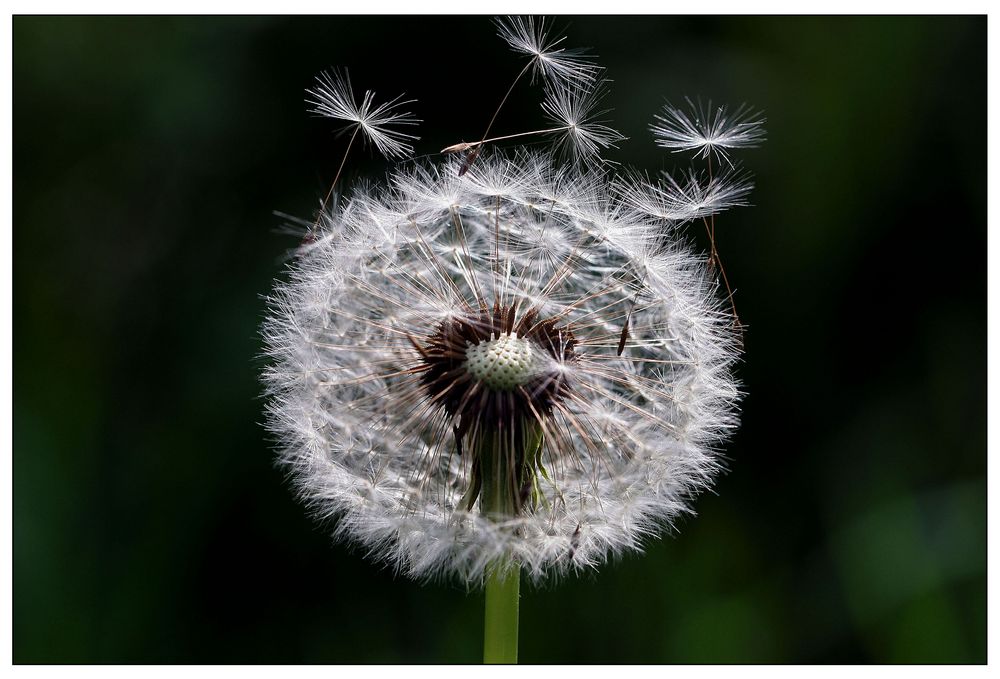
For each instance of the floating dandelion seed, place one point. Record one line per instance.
(708, 131)
(332, 97)
(581, 134)
(449, 376)
(531, 36)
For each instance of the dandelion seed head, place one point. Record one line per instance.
(439, 318)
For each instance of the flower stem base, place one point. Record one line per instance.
(503, 590)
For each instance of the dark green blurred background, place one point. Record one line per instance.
(150, 524)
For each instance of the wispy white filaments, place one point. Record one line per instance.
(578, 134)
(581, 134)
(517, 328)
(332, 97)
(695, 196)
(708, 131)
(531, 36)
(562, 66)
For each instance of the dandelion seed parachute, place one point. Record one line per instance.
(382, 342)
(531, 36)
(582, 135)
(332, 97)
(706, 132)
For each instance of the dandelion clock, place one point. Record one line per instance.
(503, 361)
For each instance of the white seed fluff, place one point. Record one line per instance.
(332, 97)
(649, 392)
(706, 131)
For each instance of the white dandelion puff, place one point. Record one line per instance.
(708, 131)
(498, 367)
(581, 134)
(530, 35)
(332, 97)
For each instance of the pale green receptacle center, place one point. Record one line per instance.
(503, 363)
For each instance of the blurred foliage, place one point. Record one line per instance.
(150, 524)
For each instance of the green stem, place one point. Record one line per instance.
(503, 585)
(503, 578)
